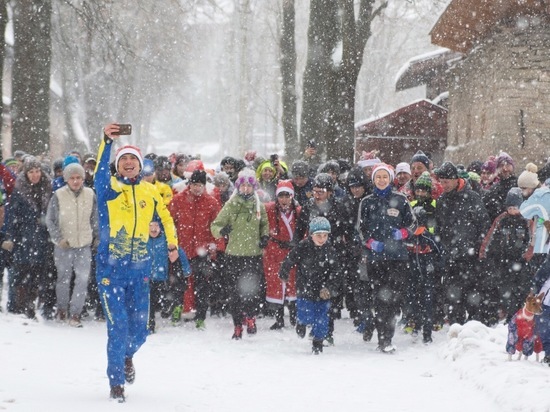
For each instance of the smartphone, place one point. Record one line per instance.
(274, 158)
(124, 130)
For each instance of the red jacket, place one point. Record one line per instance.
(192, 216)
(274, 254)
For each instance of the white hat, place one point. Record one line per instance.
(368, 162)
(402, 167)
(128, 149)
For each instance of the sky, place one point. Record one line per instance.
(51, 367)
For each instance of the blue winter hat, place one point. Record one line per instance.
(70, 159)
(148, 167)
(319, 225)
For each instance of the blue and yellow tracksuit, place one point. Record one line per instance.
(126, 207)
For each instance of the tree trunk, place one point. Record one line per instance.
(3, 23)
(355, 34)
(288, 74)
(322, 38)
(31, 76)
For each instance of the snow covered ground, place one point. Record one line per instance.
(48, 366)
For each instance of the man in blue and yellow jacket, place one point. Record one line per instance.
(126, 206)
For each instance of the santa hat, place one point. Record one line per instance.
(285, 186)
(368, 162)
(128, 149)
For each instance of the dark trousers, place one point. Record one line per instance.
(463, 289)
(245, 284)
(382, 297)
(203, 271)
(421, 291)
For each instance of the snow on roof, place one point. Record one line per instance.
(381, 116)
(419, 58)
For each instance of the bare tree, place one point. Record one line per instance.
(336, 43)
(31, 75)
(288, 74)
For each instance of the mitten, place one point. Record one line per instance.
(263, 242)
(324, 294)
(7, 245)
(64, 244)
(399, 234)
(375, 245)
(226, 230)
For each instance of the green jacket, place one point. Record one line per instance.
(247, 228)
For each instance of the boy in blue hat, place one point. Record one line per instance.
(317, 274)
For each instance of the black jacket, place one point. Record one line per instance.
(379, 217)
(461, 222)
(316, 268)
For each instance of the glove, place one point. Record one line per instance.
(546, 224)
(64, 244)
(226, 230)
(324, 294)
(399, 234)
(263, 242)
(375, 245)
(7, 245)
(419, 212)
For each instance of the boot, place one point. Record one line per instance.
(251, 325)
(279, 319)
(117, 393)
(317, 347)
(129, 371)
(238, 334)
(427, 336)
(292, 312)
(75, 321)
(301, 330)
(62, 315)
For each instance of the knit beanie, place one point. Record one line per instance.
(72, 169)
(70, 160)
(299, 169)
(504, 158)
(31, 162)
(446, 171)
(421, 157)
(128, 149)
(198, 176)
(514, 197)
(319, 224)
(356, 177)
(221, 179)
(284, 186)
(529, 178)
(148, 167)
(246, 176)
(424, 182)
(489, 166)
(386, 167)
(402, 167)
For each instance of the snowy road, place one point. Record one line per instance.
(47, 366)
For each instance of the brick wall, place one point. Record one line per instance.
(506, 74)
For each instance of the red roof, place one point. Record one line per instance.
(419, 119)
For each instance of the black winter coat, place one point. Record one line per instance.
(379, 217)
(316, 268)
(333, 210)
(496, 196)
(461, 222)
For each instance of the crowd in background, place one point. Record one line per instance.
(413, 242)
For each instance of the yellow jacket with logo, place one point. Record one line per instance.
(126, 207)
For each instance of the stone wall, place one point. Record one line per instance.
(507, 74)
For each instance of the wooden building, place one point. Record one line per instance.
(499, 94)
(421, 125)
